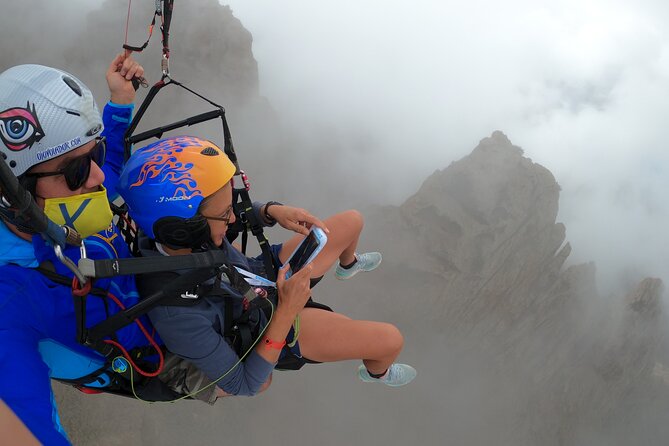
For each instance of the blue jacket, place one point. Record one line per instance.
(37, 320)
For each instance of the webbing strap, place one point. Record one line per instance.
(183, 283)
(145, 265)
(251, 223)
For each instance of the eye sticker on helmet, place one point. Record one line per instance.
(20, 128)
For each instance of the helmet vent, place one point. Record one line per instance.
(210, 151)
(70, 112)
(73, 85)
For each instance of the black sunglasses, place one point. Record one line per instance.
(227, 215)
(78, 169)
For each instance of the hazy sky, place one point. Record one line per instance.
(581, 86)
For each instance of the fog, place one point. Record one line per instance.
(361, 102)
(410, 87)
(580, 86)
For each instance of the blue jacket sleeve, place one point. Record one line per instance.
(257, 207)
(192, 337)
(116, 119)
(24, 378)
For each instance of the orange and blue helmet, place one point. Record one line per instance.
(171, 177)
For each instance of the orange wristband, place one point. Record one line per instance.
(269, 343)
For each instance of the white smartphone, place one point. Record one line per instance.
(307, 250)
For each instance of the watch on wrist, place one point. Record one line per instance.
(268, 218)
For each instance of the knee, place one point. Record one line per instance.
(393, 340)
(354, 219)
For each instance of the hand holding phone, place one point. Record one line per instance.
(307, 250)
(293, 293)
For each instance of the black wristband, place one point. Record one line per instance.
(268, 218)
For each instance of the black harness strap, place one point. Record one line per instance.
(250, 222)
(239, 331)
(183, 284)
(79, 301)
(165, 28)
(93, 377)
(109, 352)
(243, 204)
(144, 265)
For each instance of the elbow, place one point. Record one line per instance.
(243, 388)
(263, 387)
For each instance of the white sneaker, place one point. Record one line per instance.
(365, 262)
(396, 376)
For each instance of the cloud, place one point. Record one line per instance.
(581, 86)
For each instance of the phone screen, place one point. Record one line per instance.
(302, 253)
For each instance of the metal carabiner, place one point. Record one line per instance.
(70, 264)
(245, 180)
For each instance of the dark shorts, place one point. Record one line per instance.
(258, 265)
(290, 357)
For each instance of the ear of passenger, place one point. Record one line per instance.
(165, 185)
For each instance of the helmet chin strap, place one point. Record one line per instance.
(23, 212)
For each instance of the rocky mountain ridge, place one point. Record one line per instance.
(482, 260)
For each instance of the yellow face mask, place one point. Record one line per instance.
(86, 213)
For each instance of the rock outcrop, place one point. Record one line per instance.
(482, 261)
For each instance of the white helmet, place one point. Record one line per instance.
(44, 113)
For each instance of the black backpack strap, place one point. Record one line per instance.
(148, 284)
(250, 222)
(182, 284)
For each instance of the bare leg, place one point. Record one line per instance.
(345, 229)
(327, 337)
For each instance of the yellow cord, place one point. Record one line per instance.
(296, 331)
(262, 332)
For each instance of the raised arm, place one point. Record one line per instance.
(117, 114)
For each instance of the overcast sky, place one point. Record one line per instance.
(581, 86)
